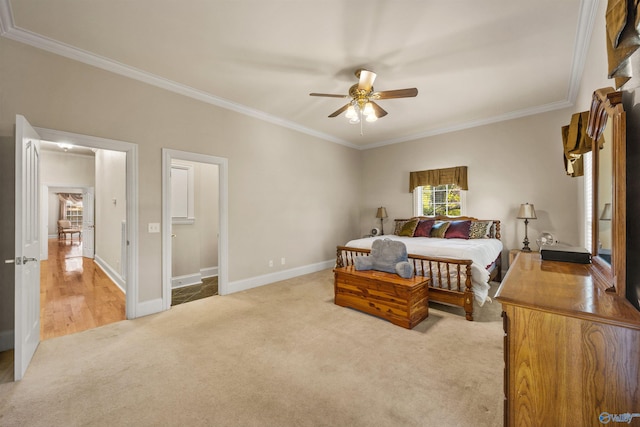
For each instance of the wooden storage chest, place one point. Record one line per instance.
(403, 302)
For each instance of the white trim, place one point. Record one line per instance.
(146, 308)
(209, 272)
(586, 19)
(131, 151)
(168, 156)
(111, 273)
(7, 340)
(254, 282)
(186, 280)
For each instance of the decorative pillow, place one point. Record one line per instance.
(399, 225)
(409, 228)
(480, 229)
(458, 230)
(439, 229)
(424, 228)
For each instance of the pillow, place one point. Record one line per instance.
(439, 229)
(480, 229)
(424, 228)
(399, 225)
(458, 230)
(409, 228)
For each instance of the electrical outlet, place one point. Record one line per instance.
(282, 260)
(270, 263)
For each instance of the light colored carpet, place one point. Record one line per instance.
(278, 355)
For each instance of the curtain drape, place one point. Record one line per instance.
(456, 175)
(576, 142)
(64, 198)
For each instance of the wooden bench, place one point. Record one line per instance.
(403, 302)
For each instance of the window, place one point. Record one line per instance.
(74, 212)
(448, 199)
(182, 194)
(588, 201)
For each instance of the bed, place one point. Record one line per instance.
(460, 268)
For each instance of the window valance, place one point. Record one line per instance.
(576, 142)
(623, 37)
(456, 175)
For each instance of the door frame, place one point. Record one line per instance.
(131, 151)
(223, 226)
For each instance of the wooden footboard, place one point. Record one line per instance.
(450, 278)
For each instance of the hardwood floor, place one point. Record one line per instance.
(75, 294)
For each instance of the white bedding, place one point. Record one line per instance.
(482, 252)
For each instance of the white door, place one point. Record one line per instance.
(27, 276)
(88, 230)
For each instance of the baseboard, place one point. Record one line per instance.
(254, 282)
(186, 280)
(208, 272)
(146, 308)
(6, 340)
(111, 273)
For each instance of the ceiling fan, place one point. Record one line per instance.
(363, 98)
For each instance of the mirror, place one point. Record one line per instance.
(607, 125)
(605, 195)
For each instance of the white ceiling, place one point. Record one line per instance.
(473, 62)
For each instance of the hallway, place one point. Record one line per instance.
(75, 294)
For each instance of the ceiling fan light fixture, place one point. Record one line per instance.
(351, 113)
(354, 120)
(368, 109)
(371, 118)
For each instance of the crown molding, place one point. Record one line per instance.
(586, 20)
(476, 123)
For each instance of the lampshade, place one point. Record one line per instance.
(606, 212)
(526, 211)
(382, 213)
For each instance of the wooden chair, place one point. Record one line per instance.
(65, 227)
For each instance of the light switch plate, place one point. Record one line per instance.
(154, 227)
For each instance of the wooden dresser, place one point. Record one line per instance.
(572, 351)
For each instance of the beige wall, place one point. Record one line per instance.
(7, 240)
(509, 163)
(290, 195)
(110, 177)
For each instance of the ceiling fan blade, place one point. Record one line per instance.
(329, 95)
(378, 109)
(339, 111)
(399, 93)
(366, 80)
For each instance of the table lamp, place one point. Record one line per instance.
(526, 212)
(382, 214)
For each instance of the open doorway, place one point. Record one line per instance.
(194, 221)
(82, 283)
(194, 230)
(126, 200)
